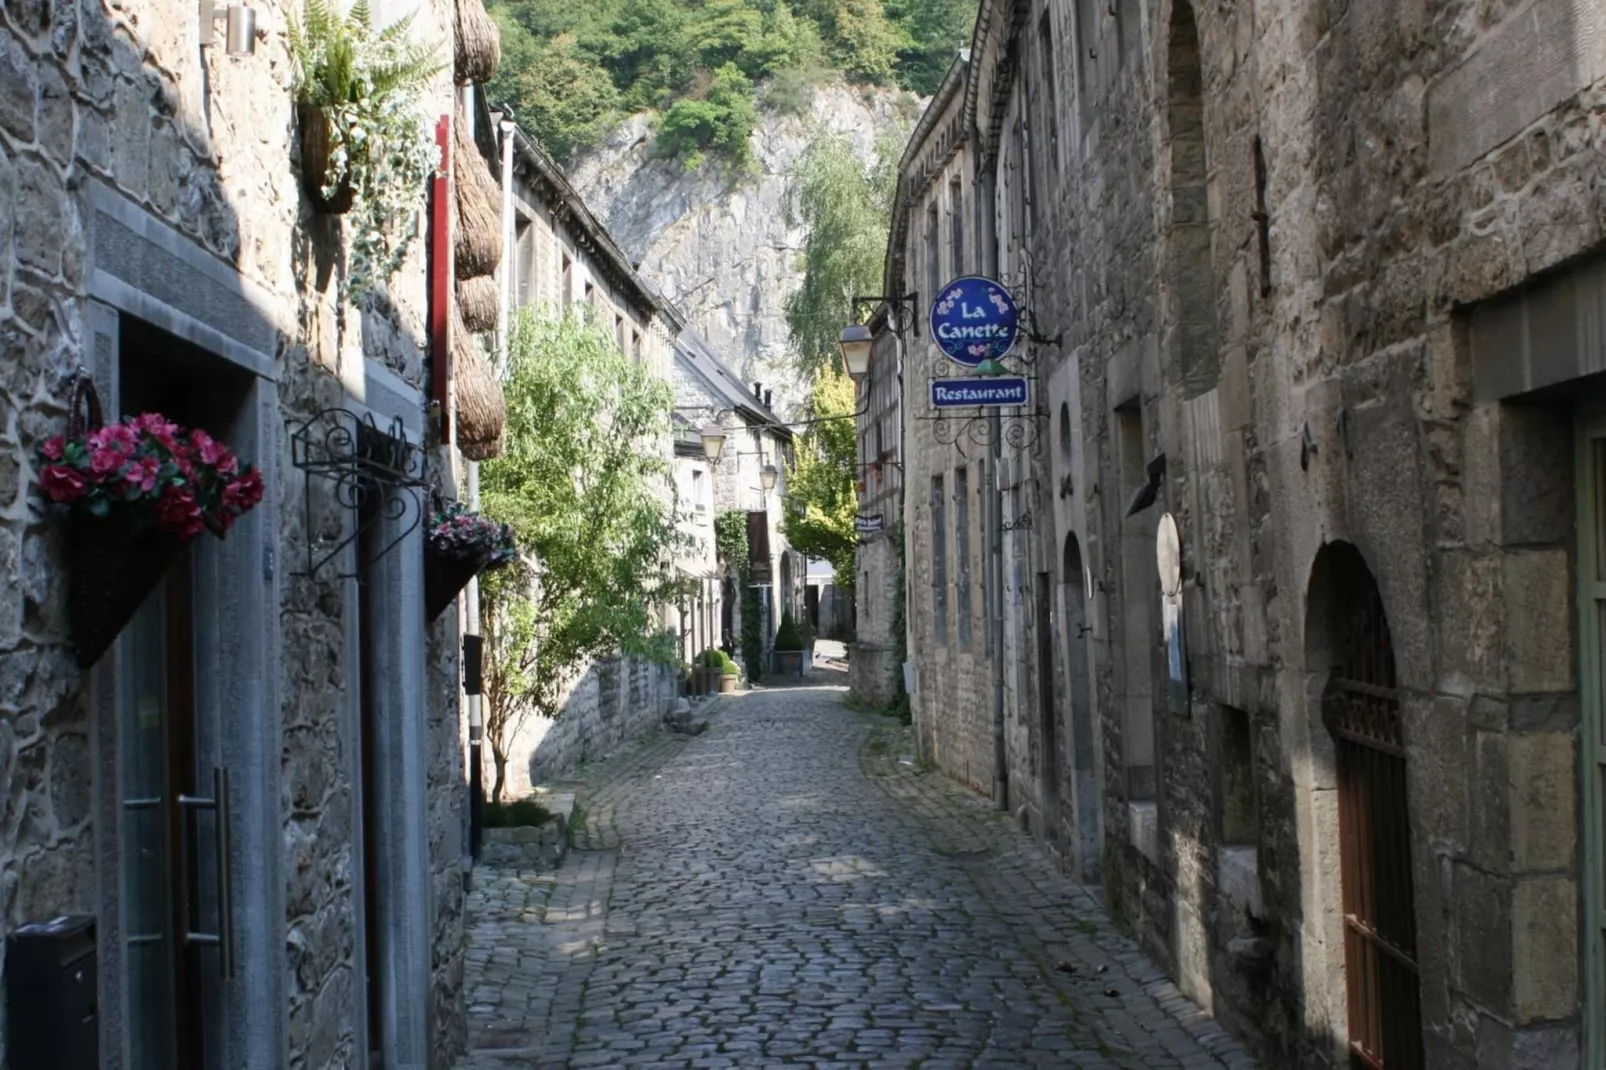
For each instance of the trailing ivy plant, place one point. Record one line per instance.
(730, 543)
(369, 87)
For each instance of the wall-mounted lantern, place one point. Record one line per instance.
(768, 476)
(856, 343)
(240, 34)
(713, 436)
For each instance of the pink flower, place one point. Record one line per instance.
(54, 448)
(243, 494)
(178, 512)
(159, 428)
(142, 475)
(209, 450)
(105, 461)
(63, 484)
(119, 437)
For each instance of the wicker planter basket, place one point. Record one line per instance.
(479, 43)
(481, 408)
(444, 578)
(112, 570)
(478, 228)
(112, 573)
(479, 300)
(315, 163)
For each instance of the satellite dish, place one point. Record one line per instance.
(1168, 555)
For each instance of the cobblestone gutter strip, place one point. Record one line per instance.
(1142, 1019)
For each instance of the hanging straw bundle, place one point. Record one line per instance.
(479, 300)
(479, 210)
(481, 408)
(479, 43)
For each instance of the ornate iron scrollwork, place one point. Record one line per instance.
(378, 475)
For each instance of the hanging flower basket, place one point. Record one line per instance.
(317, 145)
(461, 544)
(138, 492)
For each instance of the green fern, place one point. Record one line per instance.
(338, 57)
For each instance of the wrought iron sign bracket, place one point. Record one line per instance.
(1020, 523)
(378, 475)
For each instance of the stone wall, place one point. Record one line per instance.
(1318, 390)
(118, 98)
(1312, 256)
(615, 702)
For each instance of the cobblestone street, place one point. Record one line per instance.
(788, 890)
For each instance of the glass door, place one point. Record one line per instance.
(172, 964)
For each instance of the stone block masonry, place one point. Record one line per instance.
(152, 231)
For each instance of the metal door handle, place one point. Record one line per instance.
(223, 939)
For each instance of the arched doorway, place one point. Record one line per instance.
(1347, 637)
(1073, 589)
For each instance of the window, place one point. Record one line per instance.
(1050, 96)
(956, 224)
(568, 281)
(1192, 271)
(635, 345)
(962, 553)
(591, 297)
(697, 491)
(939, 562)
(619, 332)
(1140, 591)
(933, 252)
(1235, 766)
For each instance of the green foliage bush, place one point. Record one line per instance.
(515, 814)
(571, 70)
(787, 636)
(714, 658)
(719, 122)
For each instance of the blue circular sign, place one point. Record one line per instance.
(974, 319)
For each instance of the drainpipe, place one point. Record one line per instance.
(473, 641)
(987, 243)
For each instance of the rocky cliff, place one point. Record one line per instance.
(723, 247)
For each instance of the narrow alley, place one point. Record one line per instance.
(786, 889)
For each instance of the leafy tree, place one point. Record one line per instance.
(867, 43)
(846, 212)
(563, 100)
(935, 30)
(721, 122)
(580, 490)
(654, 54)
(821, 496)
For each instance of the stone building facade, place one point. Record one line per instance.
(1313, 301)
(153, 232)
(875, 662)
(564, 260)
(708, 390)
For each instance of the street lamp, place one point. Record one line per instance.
(855, 344)
(713, 436)
(768, 476)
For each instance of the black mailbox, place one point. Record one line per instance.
(51, 987)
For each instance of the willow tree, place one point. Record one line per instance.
(580, 483)
(821, 500)
(845, 210)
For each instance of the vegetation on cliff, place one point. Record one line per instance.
(571, 70)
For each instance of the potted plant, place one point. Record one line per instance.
(366, 144)
(789, 646)
(730, 674)
(138, 492)
(461, 544)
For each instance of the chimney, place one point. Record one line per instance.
(758, 391)
(767, 395)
